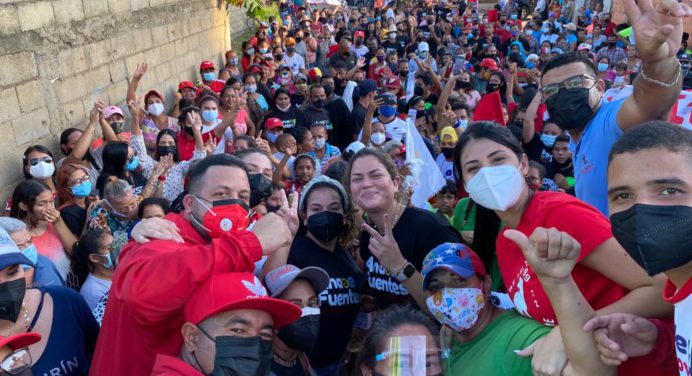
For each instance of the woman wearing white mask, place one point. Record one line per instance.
(373, 133)
(39, 165)
(493, 167)
(155, 119)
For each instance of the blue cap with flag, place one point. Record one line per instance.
(9, 253)
(454, 257)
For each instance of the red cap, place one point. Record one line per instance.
(186, 84)
(150, 93)
(392, 83)
(233, 291)
(359, 33)
(272, 123)
(206, 64)
(489, 107)
(490, 64)
(20, 341)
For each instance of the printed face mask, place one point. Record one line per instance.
(457, 308)
(496, 187)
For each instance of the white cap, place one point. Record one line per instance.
(532, 57)
(423, 46)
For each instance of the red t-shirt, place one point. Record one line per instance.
(585, 224)
(186, 144)
(590, 228)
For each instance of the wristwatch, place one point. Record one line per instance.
(407, 272)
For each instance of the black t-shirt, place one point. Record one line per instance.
(393, 47)
(536, 151)
(358, 117)
(321, 116)
(343, 131)
(417, 232)
(290, 119)
(297, 100)
(74, 217)
(339, 305)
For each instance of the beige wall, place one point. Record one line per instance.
(57, 57)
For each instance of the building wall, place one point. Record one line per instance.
(58, 57)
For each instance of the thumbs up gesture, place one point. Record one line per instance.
(550, 253)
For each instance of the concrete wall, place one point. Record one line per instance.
(57, 57)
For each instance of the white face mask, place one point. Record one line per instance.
(251, 88)
(155, 109)
(457, 308)
(377, 138)
(496, 187)
(320, 143)
(42, 170)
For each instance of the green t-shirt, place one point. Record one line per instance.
(492, 352)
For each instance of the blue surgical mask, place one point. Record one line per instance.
(32, 254)
(272, 137)
(463, 124)
(210, 115)
(387, 111)
(548, 140)
(530, 65)
(233, 61)
(602, 67)
(132, 165)
(209, 76)
(82, 190)
(109, 264)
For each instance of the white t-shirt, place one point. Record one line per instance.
(682, 298)
(295, 62)
(94, 289)
(446, 167)
(395, 129)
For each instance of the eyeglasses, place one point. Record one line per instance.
(16, 362)
(76, 182)
(35, 161)
(571, 84)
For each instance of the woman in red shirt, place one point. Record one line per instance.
(493, 168)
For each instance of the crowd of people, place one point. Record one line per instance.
(265, 221)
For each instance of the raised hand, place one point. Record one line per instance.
(384, 247)
(140, 71)
(361, 62)
(374, 104)
(657, 29)
(51, 214)
(96, 111)
(550, 253)
(156, 228)
(195, 121)
(620, 336)
(289, 212)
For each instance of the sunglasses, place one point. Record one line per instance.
(35, 161)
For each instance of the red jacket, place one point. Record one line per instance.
(169, 366)
(151, 285)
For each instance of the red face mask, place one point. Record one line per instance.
(224, 216)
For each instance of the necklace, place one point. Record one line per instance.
(283, 362)
(25, 314)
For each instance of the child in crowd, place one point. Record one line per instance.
(445, 201)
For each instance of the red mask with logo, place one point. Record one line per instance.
(225, 216)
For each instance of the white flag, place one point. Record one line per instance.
(426, 178)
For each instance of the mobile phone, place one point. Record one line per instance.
(459, 62)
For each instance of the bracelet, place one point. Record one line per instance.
(659, 83)
(401, 268)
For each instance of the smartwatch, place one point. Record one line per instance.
(406, 273)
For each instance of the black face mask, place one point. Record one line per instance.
(403, 73)
(329, 89)
(447, 152)
(301, 335)
(279, 57)
(463, 85)
(493, 87)
(260, 188)
(237, 356)
(326, 225)
(421, 113)
(318, 104)
(418, 91)
(188, 130)
(570, 109)
(657, 237)
(11, 298)
(272, 209)
(165, 150)
(117, 127)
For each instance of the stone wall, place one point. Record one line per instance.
(57, 57)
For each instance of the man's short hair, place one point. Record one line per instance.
(198, 173)
(655, 134)
(569, 58)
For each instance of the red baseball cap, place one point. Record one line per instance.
(272, 123)
(359, 33)
(186, 84)
(206, 64)
(233, 291)
(491, 64)
(150, 93)
(20, 341)
(392, 83)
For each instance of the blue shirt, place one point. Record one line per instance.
(590, 155)
(46, 274)
(72, 337)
